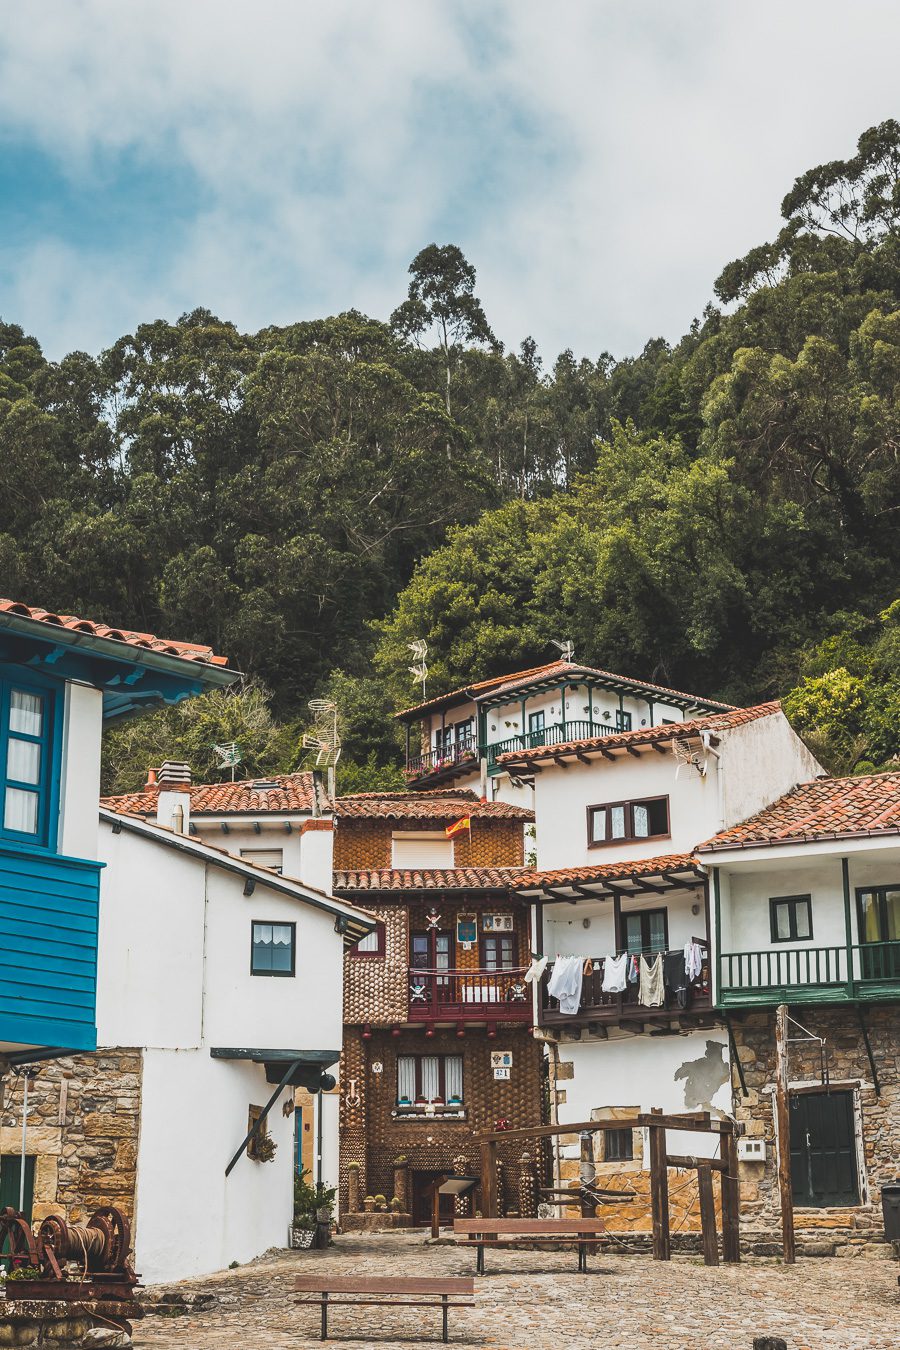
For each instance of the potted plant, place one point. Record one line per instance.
(313, 1208)
(395, 1204)
(380, 1204)
(369, 1204)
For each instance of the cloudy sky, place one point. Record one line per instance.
(276, 160)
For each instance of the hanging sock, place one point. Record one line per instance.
(651, 990)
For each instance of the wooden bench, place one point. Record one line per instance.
(482, 1233)
(409, 1292)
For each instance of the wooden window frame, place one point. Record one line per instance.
(792, 900)
(441, 1057)
(879, 892)
(483, 941)
(641, 914)
(629, 837)
(274, 923)
(47, 789)
(378, 953)
(626, 1137)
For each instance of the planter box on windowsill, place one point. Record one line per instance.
(418, 1111)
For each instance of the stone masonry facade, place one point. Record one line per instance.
(83, 1123)
(847, 1228)
(372, 1136)
(365, 844)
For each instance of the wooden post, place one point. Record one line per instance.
(489, 1179)
(708, 1216)
(659, 1191)
(783, 1133)
(731, 1197)
(436, 1206)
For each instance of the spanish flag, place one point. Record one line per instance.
(464, 824)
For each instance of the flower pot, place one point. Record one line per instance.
(302, 1238)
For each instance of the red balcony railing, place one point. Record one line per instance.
(597, 1006)
(469, 995)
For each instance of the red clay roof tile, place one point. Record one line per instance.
(827, 808)
(613, 871)
(186, 651)
(448, 804)
(427, 879)
(291, 792)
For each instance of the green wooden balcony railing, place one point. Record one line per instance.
(554, 734)
(810, 974)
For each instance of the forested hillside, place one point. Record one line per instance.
(720, 515)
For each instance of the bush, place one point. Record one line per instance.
(308, 1199)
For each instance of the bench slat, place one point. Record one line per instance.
(529, 1226)
(378, 1303)
(352, 1284)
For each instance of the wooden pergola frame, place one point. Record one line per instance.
(656, 1123)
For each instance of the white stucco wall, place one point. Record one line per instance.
(173, 923)
(190, 1218)
(562, 796)
(80, 782)
(688, 1072)
(566, 935)
(762, 760)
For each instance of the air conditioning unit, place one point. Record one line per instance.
(751, 1150)
(497, 923)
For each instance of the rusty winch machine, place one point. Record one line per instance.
(62, 1260)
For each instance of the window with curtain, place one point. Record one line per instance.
(26, 767)
(429, 1078)
(272, 951)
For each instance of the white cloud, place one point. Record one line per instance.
(598, 162)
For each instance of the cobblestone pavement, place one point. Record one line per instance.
(536, 1301)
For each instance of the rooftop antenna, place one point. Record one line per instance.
(324, 738)
(566, 649)
(419, 649)
(229, 756)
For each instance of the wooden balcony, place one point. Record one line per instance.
(554, 734)
(469, 996)
(863, 971)
(445, 763)
(597, 1006)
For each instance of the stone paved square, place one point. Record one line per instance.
(536, 1301)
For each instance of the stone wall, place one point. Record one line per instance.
(83, 1122)
(363, 844)
(373, 1138)
(843, 1229)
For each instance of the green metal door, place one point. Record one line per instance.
(10, 1172)
(823, 1149)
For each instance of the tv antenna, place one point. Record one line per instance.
(324, 738)
(229, 756)
(419, 649)
(566, 649)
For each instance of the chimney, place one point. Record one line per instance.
(151, 780)
(173, 805)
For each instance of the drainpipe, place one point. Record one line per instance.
(709, 749)
(28, 1072)
(848, 936)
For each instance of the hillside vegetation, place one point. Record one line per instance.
(720, 515)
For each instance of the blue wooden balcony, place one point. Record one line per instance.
(864, 971)
(48, 951)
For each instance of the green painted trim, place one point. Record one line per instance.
(845, 878)
(715, 964)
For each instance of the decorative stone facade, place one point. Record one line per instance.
(361, 844)
(374, 1137)
(845, 1229)
(83, 1122)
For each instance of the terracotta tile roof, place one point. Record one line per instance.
(521, 679)
(642, 736)
(288, 792)
(446, 804)
(828, 808)
(428, 879)
(470, 690)
(578, 673)
(186, 651)
(613, 871)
